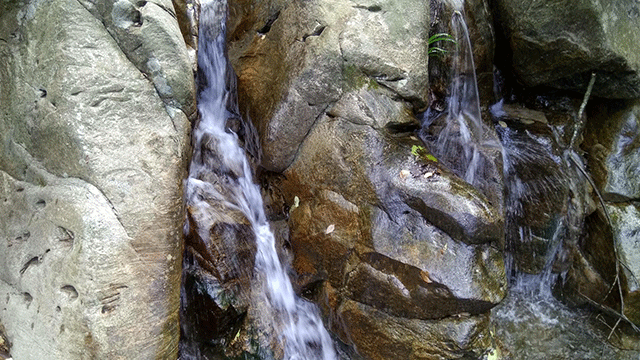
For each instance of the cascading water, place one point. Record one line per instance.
(536, 190)
(534, 170)
(216, 151)
(463, 143)
(545, 202)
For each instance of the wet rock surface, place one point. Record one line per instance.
(381, 336)
(295, 60)
(613, 146)
(377, 227)
(626, 223)
(610, 142)
(386, 227)
(560, 45)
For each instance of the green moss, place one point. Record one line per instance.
(355, 79)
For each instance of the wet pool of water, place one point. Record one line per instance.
(536, 326)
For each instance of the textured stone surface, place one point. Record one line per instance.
(612, 141)
(387, 227)
(560, 43)
(377, 228)
(613, 158)
(71, 281)
(149, 36)
(294, 61)
(381, 336)
(93, 151)
(626, 224)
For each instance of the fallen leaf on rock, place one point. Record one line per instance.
(462, 315)
(330, 229)
(296, 203)
(425, 276)
(444, 249)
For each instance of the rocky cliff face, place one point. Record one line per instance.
(96, 99)
(404, 258)
(384, 238)
(561, 44)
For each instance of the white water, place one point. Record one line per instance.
(461, 141)
(216, 151)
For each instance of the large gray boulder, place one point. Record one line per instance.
(561, 43)
(93, 151)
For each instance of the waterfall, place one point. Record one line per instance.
(536, 173)
(463, 140)
(546, 199)
(535, 181)
(216, 151)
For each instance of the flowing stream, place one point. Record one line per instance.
(298, 321)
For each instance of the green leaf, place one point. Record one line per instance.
(436, 51)
(421, 152)
(441, 37)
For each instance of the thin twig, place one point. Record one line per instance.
(572, 156)
(610, 311)
(580, 122)
(613, 330)
(587, 94)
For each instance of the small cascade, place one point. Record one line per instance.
(462, 141)
(216, 151)
(545, 200)
(535, 185)
(542, 190)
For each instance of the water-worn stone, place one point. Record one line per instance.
(148, 34)
(294, 60)
(612, 141)
(626, 224)
(380, 336)
(71, 280)
(561, 43)
(93, 153)
(217, 278)
(613, 155)
(383, 225)
(376, 225)
(593, 267)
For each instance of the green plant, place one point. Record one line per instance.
(436, 50)
(421, 152)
